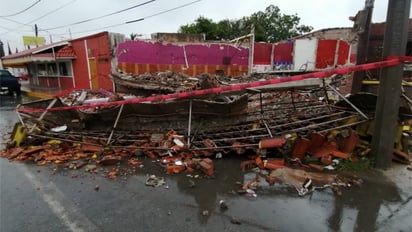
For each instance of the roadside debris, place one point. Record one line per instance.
(154, 181)
(113, 174)
(205, 213)
(304, 182)
(235, 220)
(223, 205)
(90, 168)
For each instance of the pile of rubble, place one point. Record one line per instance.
(89, 154)
(161, 82)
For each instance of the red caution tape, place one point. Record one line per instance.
(381, 64)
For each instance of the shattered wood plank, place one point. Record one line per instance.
(35, 149)
(15, 153)
(401, 157)
(91, 148)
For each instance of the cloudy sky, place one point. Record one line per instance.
(64, 18)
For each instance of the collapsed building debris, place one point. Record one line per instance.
(281, 129)
(310, 136)
(161, 83)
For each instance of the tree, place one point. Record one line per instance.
(133, 36)
(8, 46)
(202, 25)
(1, 49)
(270, 26)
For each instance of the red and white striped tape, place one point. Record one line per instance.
(390, 61)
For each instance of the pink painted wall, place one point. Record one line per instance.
(142, 52)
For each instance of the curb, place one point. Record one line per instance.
(37, 94)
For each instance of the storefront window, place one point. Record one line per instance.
(51, 69)
(63, 68)
(41, 70)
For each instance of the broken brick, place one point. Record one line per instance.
(134, 162)
(171, 168)
(300, 148)
(272, 143)
(273, 164)
(339, 154)
(110, 160)
(35, 149)
(91, 148)
(15, 152)
(326, 159)
(237, 148)
(151, 154)
(247, 165)
(113, 174)
(316, 142)
(206, 165)
(259, 162)
(270, 179)
(349, 143)
(209, 143)
(316, 167)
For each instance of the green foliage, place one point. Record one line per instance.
(270, 26)
(363, 164)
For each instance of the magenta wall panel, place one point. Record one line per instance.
(143, 52)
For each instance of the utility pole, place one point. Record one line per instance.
(1, 49)
(389, 93)
(251, 49)
(363, 23)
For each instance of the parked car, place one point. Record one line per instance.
(9, 84)
(23, 77)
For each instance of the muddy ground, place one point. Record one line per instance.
(54, 198)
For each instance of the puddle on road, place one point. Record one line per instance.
(10, 102)
(377, 205)
(364, 208)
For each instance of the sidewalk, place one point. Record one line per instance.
(39, 91)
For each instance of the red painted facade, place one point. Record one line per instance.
(92, 51)
(262, 54)
(331, 53)
(283, 53)
(82, 63)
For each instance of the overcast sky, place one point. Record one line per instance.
(158, 15)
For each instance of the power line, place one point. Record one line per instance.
(16, 22)
(140, 19)
(103, 16)
(6, 28)
(52, 11)
(166, 11)
(17, 13)
(47, 14)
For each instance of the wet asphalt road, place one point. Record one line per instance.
(52, 198)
